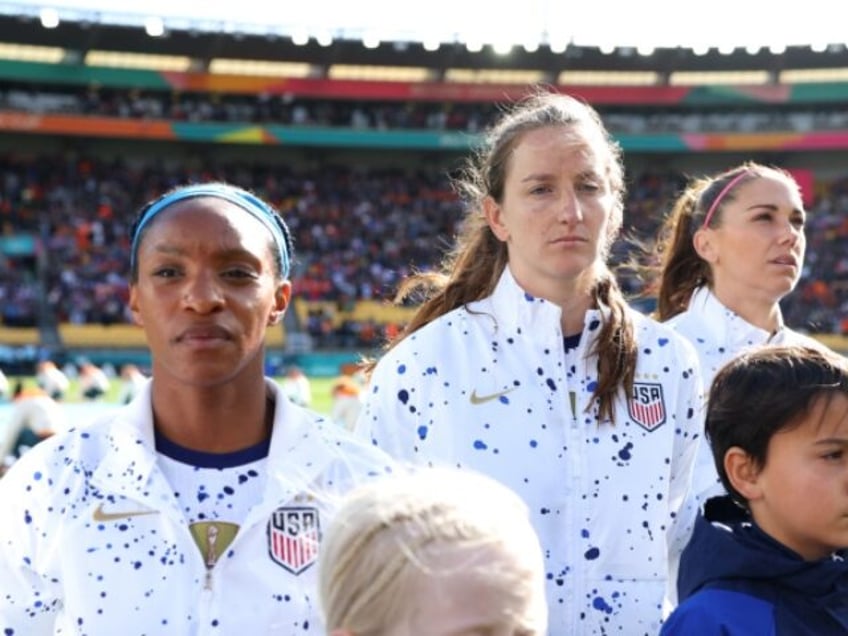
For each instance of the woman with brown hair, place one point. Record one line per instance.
(731, 248)
(525, 363)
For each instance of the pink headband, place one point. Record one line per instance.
(721, 194)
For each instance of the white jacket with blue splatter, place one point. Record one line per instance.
(718, 335)
(93, 540)
(488, 388)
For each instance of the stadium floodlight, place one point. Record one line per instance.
(431, 44)
(502, 48)
(531, 46)
(819, 47)
(149, 61)
(231, 66)
(777, 49)
(370, 41)
(700, 49)
(473, 39)
(300, 38)
(558, 45)
(49, 18)
(607, 49)
(28, 53)
(726, 49)
(154, 27)
(645, 50)
(753, 49)
(324, 38)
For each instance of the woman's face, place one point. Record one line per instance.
(757, 250)
(555, 213)
(207, 289)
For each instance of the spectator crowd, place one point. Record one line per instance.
(357, 232)
(470, 117)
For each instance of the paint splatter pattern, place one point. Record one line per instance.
(95, 542)
(498, 395)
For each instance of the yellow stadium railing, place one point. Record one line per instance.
(19, 336)
(379, 311)
(127, 336)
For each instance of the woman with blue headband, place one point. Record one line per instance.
(199, 506)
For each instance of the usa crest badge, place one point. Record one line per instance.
(294, 534)
(646, 405)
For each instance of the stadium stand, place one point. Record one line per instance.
(360, 167)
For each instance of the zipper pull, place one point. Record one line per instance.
(212, 555)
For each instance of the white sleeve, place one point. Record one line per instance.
(30, 597)
(385, 420)
(687, 450)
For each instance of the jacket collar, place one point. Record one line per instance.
(297, 447)
(518, 310)
(726, 328)
(125, 470)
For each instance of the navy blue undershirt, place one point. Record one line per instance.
(200, 459)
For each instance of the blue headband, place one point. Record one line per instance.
(248, 202)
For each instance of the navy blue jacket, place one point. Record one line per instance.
(736, 580)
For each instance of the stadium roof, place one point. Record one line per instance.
(611, 36)
(651, 23)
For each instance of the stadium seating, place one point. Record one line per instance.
(360, 169)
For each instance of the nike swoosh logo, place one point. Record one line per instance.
(102, 515)
(482, 399)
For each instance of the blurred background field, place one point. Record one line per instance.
(321, 400)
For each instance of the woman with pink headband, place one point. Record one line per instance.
(731, 249)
